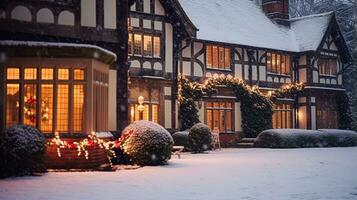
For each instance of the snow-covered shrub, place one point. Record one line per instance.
(182, 139)
(200, 138)
(147, 143)
(298, 138)
(22, 150)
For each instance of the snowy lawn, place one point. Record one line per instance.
(329, 173)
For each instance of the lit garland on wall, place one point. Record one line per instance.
(256, 106)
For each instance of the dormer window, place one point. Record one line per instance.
(327, 66)
(278, 63)
(218, 57)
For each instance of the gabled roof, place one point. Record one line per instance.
(243, 22)
(310, 30)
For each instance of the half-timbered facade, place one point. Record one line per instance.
(252, 40)
(67, 62)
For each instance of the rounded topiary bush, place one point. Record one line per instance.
(147, 143)
(200, 138)
(22, 151)
(181, 138)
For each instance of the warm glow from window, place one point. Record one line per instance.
(157, 47)
(30, 73)
(63, 74)
(79, 74)
(283, 116)
(135, 114)
(137, 44)
(278, 63)
(46, 108)
(219, 116)
(12, 104)
(13, 73)
(78, 108)
(62, 108)
(144, 45)
(218, 57)
(30, 104)
(47, 74)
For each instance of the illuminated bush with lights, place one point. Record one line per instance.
(200, 138)
(22, 150)
(147, 143)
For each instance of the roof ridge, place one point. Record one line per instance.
(312, 16)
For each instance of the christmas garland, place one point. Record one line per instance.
(256, 106)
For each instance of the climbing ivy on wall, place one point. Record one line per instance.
(256, 106)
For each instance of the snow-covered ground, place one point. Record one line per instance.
(302, 174)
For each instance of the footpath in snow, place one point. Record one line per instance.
(303, 174)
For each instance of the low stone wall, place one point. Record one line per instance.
(70, 160)
(228, 139)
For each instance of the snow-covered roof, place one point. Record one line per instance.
(244, 22)
(310, 30)
(15, 43)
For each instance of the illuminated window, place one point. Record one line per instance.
(283, 116)
(327, 66)
(79, 74)
(63, 74)
(30, 104)
(39, 112)
(47, 74)
(13, 73)
(147, 45)
(219, 116)
(135, 114)
(78, 107)
(62, 108)
(157, 47)
(144, 45)
(218, 57)
(12, 104)
(46, 108)
(137, 44)
(30, 73)
(278, 63)
(130, 44)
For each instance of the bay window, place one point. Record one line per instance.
(327, 66)
(278, 63)
(47, 98)
(218, 57)
(283, 116)
(219, 116)
(145, 45)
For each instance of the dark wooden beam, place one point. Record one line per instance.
(122, 64)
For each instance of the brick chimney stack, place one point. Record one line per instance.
(277, 10)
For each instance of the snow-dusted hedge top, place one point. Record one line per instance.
(147, 143)
(200, 138)
(299, 138)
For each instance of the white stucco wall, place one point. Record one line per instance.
(237, 117)
(110, 13)
(112, 97)
(169, 48)
(88, 13)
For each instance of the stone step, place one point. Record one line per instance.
(245, 145)
(247, 140)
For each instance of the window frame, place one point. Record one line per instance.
(39, 82)
(223, 62)
(287, 109)
(283, 68)
(225, 109)
(153, 36)
(332, 71)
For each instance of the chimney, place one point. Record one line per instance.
(277, 10)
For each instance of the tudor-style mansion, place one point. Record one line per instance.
(61, 69)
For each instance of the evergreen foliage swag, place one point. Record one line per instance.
(256, 106)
